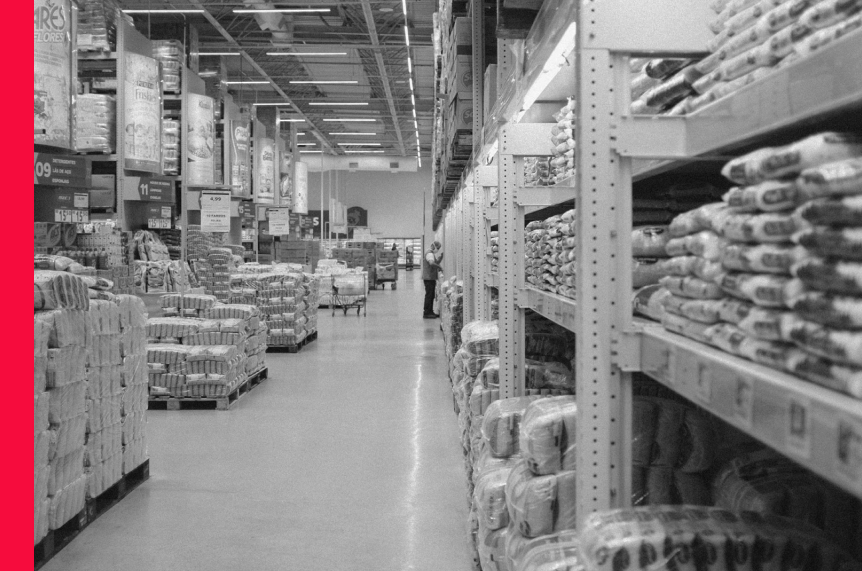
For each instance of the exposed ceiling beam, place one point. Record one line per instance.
(215, 24)
(384, 77)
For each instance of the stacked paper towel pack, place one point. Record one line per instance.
(207, 356)
(89, 395)
(550, 254)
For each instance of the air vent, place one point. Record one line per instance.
(353, 165)
(394, 165)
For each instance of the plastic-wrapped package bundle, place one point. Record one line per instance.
(480, 341)
(59, 290)
(536, 171)
(42, 437)
(170, 54)
(683, 537)
(97, 25)
(501, 425)
(95, 123)
(562, 164)
(67, 503)
(489, 496)
(547, 435)
(170, 147)
(554, 552)
(492, 549)
(540, 505)
(494, 243)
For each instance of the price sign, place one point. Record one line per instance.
(215, 211)
(704, 383)
(743, 402)
(158, 223)
(798, 432)
(60, 170)
(71, 216)
(849, 450)
(159, 217)
(279, 221)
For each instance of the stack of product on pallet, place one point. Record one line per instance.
(494, 241)
(562, 164)
(286, 297)
(95, 123)
(88, 354)
(772, 273)
(198, 243)
(207, 356)
(170, 54)
(97, 25)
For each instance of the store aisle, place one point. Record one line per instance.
(346, 458)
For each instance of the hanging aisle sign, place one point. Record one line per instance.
(215, 211)
(300, 189)
(200, 168)
(60, 170)
(143, 114)
(279, 221)
(239, 159)
(52, 73)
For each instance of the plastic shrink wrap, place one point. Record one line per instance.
(547, 435)
(539, 505)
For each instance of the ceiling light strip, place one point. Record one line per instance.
(163, 11)
(308, 54)
(278, 10)
(338, 104)
(325, 82)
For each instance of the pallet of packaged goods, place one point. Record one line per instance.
(90, 394)
(204, 351)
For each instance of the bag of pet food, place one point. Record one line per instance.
(841, 243)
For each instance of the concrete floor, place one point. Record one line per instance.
(346, 458)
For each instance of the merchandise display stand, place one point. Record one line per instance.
(614, 151)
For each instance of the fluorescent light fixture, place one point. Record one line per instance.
(355, 134)
(325, 82)
(349, 120)
(212, 73)
(359, 145)
(409, 64)
(282, 104)
(326, 104)
(414, 112)
(217, 54)
(406, 36)
(157, 11)
(413, 99)
(301, 133)
(420, 160)
(309, 152)
(305, 144)
(404, 6)
(363, 152)
(291, 120)
(246, 82)
(277, 10)
(303, 54)
(416, 125)
(411, 84)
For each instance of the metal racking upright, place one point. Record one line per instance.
(614, 151)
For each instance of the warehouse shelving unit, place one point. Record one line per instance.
(818, 428)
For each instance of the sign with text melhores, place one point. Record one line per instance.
(142, 134)
(52, 74)
(300, 188)
(215, 211)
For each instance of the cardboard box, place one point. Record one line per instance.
(461, 114)
(462, 32)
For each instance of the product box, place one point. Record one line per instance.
(104, 191)
(462, 32)
(461, 113)
(461, 78)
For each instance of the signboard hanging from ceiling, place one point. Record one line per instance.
(357, 216)
(300, 188)
(142, 138)
(52, 74)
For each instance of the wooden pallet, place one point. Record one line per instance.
(209, 403)
(57, 539)
(292, 348)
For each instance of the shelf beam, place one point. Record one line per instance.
(816, 427)
(561, 310)
(527, 139)
(545, 195)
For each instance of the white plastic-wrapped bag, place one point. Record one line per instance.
(547, 434)
(539, 505)
(501, 424)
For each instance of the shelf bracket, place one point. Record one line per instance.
(648, 137)
(488, 175)
(526, 139)
(626, 351)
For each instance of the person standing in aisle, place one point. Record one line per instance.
(408, 258)
(430, 267)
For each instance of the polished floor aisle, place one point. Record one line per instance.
(347, 458)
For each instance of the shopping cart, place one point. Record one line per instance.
(349, 291)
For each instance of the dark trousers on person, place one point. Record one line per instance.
(430, 286)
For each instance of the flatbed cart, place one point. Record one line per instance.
(387, 273)
(349, 291)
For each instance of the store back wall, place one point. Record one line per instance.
(395, 201)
